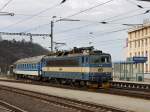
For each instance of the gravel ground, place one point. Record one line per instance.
(3, 109)
(31, 104)
(123, 102)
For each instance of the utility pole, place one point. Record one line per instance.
(52, 26)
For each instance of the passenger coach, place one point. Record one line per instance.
(29, 67)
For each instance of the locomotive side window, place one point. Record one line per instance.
(69, 62)
(82, 59)
(87, 60)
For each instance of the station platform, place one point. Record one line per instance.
(134, 82)
(122, 102)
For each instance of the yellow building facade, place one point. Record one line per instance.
(139, 43)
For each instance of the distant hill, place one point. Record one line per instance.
(11, 51)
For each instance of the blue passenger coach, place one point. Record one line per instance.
(29, 66)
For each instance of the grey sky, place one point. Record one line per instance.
(79, 35)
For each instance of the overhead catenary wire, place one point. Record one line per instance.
(100, 4)
(81, 12)
(126, 17)
(63, 1)
(103, 22)
(95, 35)
(35, 28)
(95, 22)
(93, 7)
(23, 20)
(5, 5)
(66, 30)
(139, 6)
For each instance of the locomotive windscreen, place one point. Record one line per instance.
(96, 59)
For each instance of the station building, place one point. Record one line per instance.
(138, 43)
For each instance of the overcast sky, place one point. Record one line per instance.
(87, 31)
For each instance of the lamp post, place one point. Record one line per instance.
(52, 29)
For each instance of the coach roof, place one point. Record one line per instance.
(35, 59)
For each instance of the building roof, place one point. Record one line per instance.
(146, 23)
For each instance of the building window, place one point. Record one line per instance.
(139, 43)
(149, 30)
(135, 54)
(142, 53)
(138, 33)
(130, 36)
(130, 54)
(146, 53)
(142, 43)
(138, 53)
(146, 65)
(146, 31)
(145, 42)
(142, 32)
(130, 44)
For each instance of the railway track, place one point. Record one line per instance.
(131, 85)
(6, 107)
(117, 89)
(77, 105)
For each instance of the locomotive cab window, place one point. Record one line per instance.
(105, 59)
(100, 59)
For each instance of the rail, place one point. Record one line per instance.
(10, 107)
(66, 102)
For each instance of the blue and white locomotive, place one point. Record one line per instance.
(83, 66)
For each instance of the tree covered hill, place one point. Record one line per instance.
(11, 51)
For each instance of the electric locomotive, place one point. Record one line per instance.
(84, 66)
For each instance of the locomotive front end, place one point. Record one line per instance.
(100, 70)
